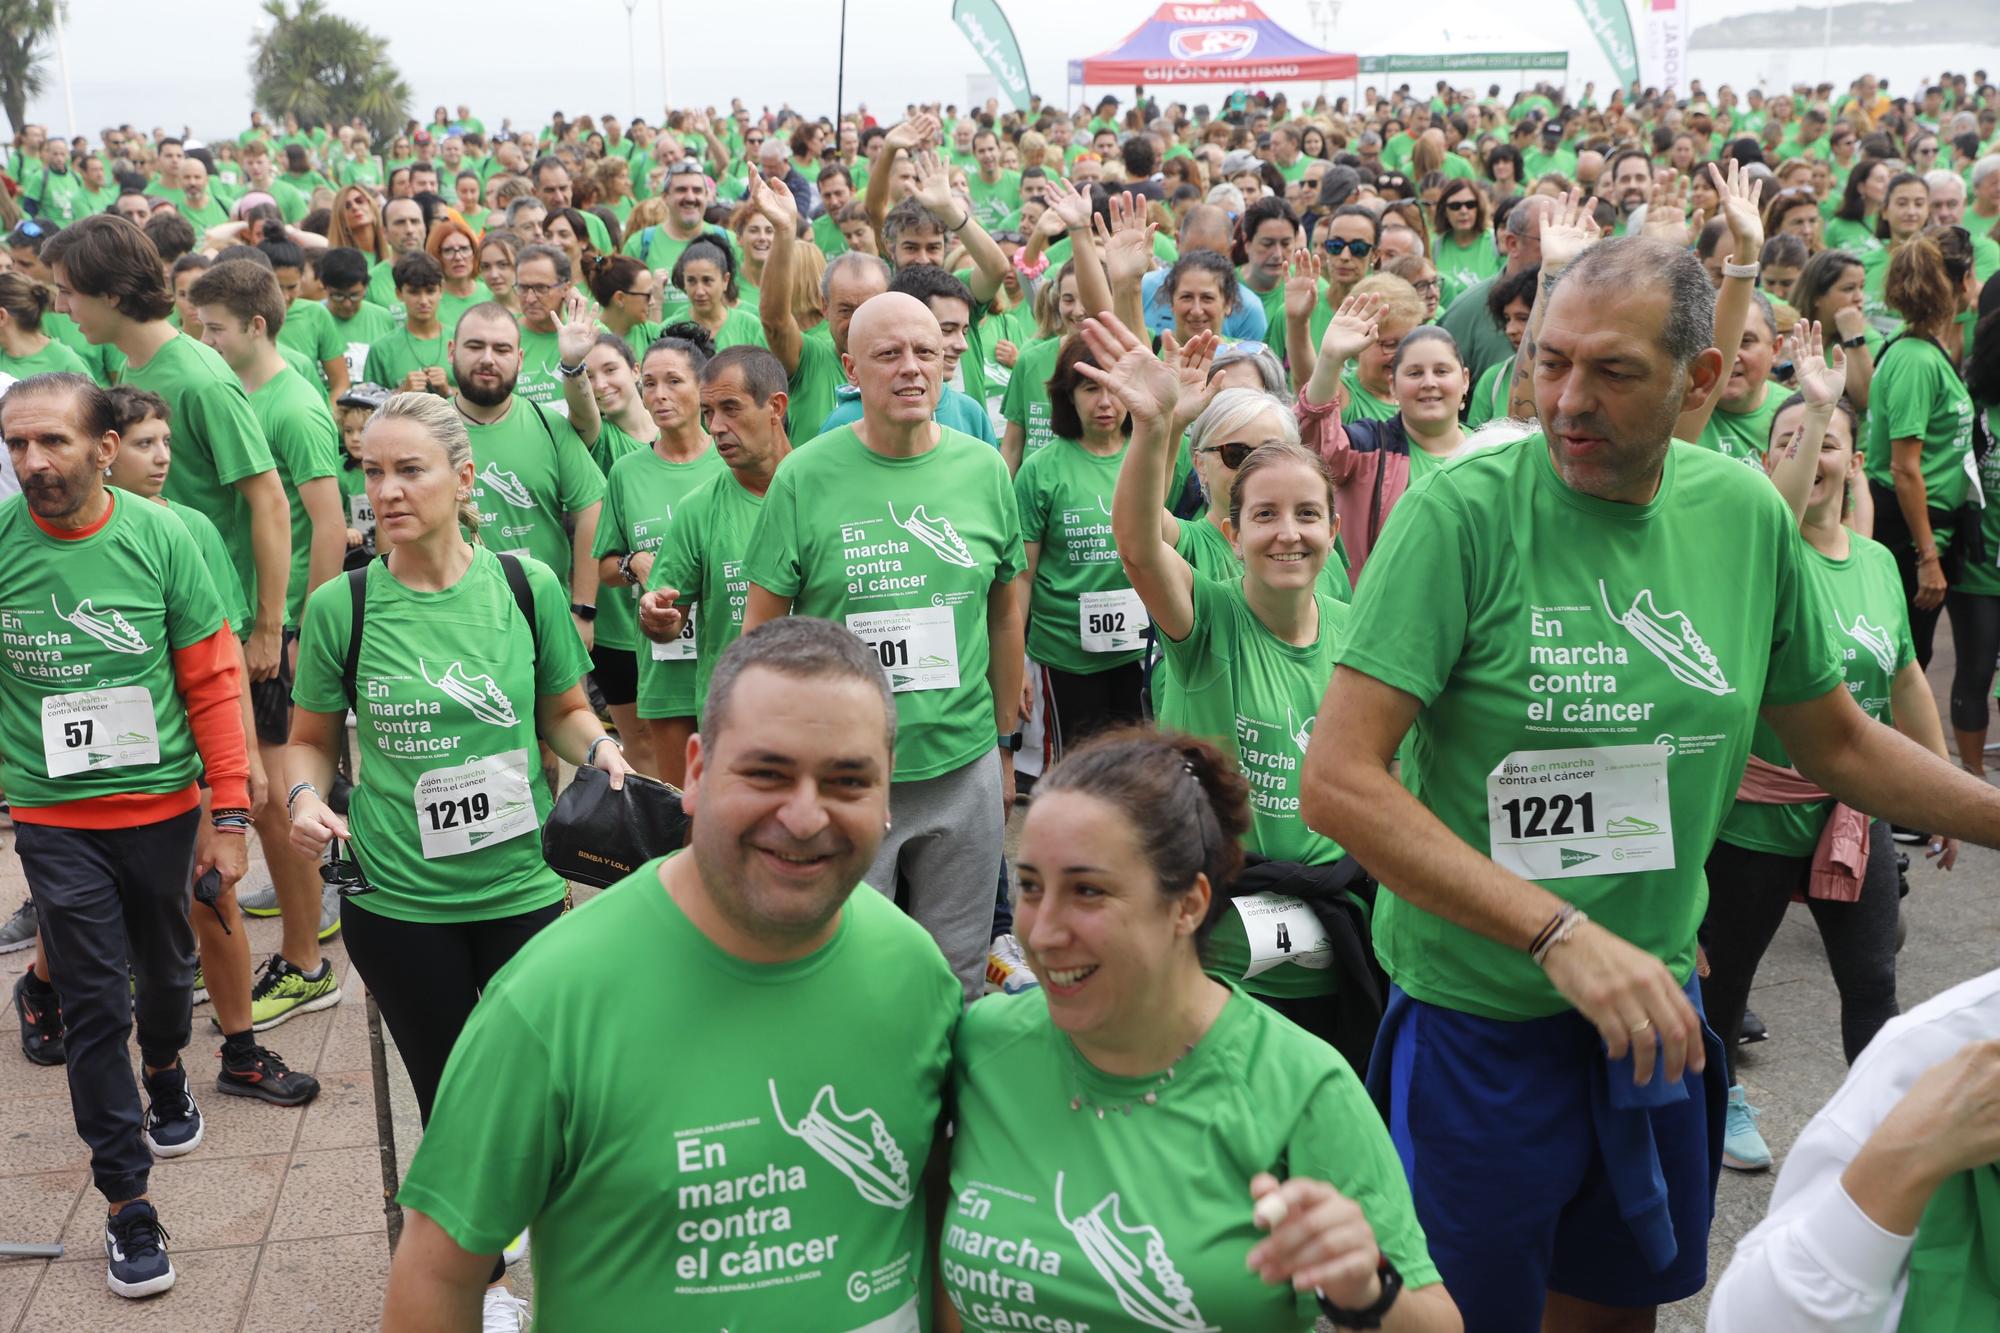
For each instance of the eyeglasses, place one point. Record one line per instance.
(1427, 288)
(1334, 245)
(455, 251)
(537, 288)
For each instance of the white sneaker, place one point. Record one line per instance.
(503, 1312)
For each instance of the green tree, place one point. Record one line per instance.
(322, 67)
(24, 29)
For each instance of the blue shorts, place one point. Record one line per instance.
(1494, 1123)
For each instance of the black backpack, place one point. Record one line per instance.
(357, 586)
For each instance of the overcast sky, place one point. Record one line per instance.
(523, 58)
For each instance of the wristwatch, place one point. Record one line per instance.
(1859, 340)
(1011, 743)
(583, 611)
(569, 372)
(625, 569)
(1392, 1287)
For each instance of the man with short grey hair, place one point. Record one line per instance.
(1481, 342)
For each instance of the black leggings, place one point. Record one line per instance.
(1748, 893)
(1975, 641)
(1078, 705)
(1923, 624)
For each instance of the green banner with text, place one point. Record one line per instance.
(1483, 60)
(1610, 21)
(993, 37)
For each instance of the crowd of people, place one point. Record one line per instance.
(1376, 947)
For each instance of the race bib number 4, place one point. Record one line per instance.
(474, 805)
(1557, 814)
(682, 648)
(1111, 622)
(917, 647)
(93, 729)
(1282, 929)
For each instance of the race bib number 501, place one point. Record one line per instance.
(1556, 814)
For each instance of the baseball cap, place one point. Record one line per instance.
(1240, 161)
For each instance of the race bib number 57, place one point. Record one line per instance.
(1556, 814)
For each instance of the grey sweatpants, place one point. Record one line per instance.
(944, 846)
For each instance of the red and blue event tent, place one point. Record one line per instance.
(1219, 43)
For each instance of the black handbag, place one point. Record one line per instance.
(598, 836)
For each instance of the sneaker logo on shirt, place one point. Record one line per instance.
(1134, 1263)
(1875, 639)
(1671, 637)
(507, 486)
(936, 533)
(1301, 731)
(479, 694)
(859, 1146)
(109, 628)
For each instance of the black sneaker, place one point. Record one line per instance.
(173, 1121)
(41, 1024)
(135, 1252)
(260, 1073)
(1752, 1029)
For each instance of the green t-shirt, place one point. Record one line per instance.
(217, 443)
(1918, 395)
(1062, 1220)
(1083, 616)
(448, 812)
(1462, 266)
(210, 214)
(904, 552)
(992, 203)
(1273, 303)
(215, 560)
(1857, 238)
(1588, 675)
(104, 361)
(740, 328)
(53, 359)
(813, 385)
(354, 501)
(689, 1202)
(955, 410)
(452, 307)
(1874, 303)
(1244, 688)
(641, 497)
(1362, 405)
(826, 235)
(371, 324)
(60, 200)
(89, 705)
(1743, 436)
(305, 444)
(531, 473)
(398, 353)
(1026, 403)
(1481, 342)
(309, 329)
(539, 382)
(1867, 622)
(1489, 396)
(702, 559)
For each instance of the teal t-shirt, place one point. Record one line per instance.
(1588, 676)
(778, 1187)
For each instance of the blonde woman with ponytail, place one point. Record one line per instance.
(466, 659)
(25, 350)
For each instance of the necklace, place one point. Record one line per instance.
(1151, 1096)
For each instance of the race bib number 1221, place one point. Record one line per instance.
(1556, 814)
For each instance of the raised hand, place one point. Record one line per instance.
(1740, 193)
(1068, 205)
(577, 329)
(1149, 388)
(1006, 353)
(1568, 230)
(1302, 286)
(1819, 380)
(773, 198)
(1667, 210)
(1354, 326)
(1128, 244)
(1191, 363)
(934, 187)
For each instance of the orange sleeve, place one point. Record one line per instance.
(210, 686)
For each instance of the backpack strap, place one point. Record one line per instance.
(542, 417)
(524, 595)
(357, 588)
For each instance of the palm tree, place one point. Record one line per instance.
(24, 26)
(327, 69)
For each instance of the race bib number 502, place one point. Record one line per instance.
(1557, 814)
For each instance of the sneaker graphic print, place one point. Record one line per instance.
(859, 1146)
(1134, 1263)
(936, 533)
(1671, 637)
(1875, 639)
(107, 627)
(507, 486)
(479, 694)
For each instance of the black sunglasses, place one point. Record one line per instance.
(1232, 454)
(1334, 245)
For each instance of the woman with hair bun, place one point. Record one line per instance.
(25, 350)
(1137, 1142)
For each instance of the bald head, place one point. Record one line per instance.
(1206, 227)
(895, 356)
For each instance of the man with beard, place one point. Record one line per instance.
(532, 476)
(555, 189)
(784, 979)
(1630, 172)
(687, 198)
(131, 695)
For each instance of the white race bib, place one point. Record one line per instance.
(1111, 622)
(1556, 814)
(917, 647)
(1282, 929)
(474, 805)
(682, 648)
(93, 729)
(357, 361)
(360, 513)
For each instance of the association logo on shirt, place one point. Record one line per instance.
(1874, 638)
(859, 1146)
(108, 627)
(507, 486)
(1671, 637)
(483, 698)
(1134, 1263)
(936, 533)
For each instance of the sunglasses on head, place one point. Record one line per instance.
(1335, 245)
